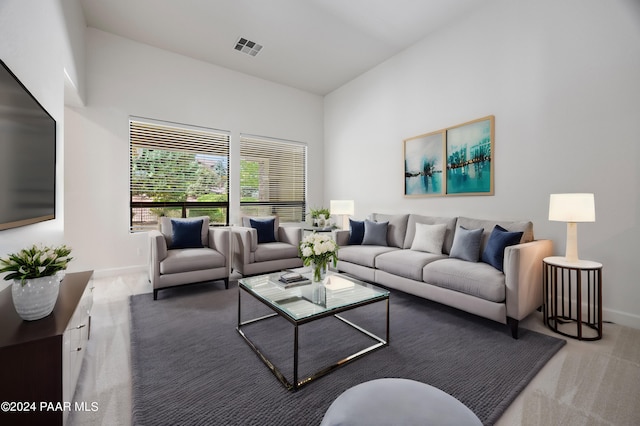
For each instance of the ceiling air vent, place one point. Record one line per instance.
(247, 46)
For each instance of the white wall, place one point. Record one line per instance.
(563, 81)
(74, 50)
(34, 45)
(126, 78)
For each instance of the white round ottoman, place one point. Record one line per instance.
(397, 402)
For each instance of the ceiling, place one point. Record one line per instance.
(312, 45)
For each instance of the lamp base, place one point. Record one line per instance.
(571, 253)
(345, 222)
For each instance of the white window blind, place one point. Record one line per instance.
(273, 178)
(178, 171)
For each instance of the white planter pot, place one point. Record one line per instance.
(36, 298)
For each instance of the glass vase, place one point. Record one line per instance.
(319, 271)
(318, 274)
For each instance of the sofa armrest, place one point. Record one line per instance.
(290, 235)
(342, 236)
(523, 276)
(219, 241)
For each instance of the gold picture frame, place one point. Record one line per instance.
(424, 165)
(457, 160)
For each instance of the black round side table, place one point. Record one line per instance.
(570, 289)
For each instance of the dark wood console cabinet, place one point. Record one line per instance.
(40, 360)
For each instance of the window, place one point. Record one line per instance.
(272, 178)
(177, 171)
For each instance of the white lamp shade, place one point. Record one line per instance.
(572, 208)
(346, 207)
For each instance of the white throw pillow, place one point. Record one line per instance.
(429, 238)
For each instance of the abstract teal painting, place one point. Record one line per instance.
(423, 164)
(469, 157)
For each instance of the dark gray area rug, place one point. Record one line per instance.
(191, 367)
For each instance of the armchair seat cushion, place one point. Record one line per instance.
(275, 251)
(192, 259)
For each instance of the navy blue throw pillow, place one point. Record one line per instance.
(265, 230)
(357, 232)
(499, 239)
(186, 234)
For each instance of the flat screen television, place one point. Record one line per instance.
(27, 156)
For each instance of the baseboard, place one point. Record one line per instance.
(622, 318)
(608, 315)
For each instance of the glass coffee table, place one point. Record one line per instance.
(303, 304)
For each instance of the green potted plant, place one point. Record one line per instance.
(316, 213)
(319, 216)
(36, 272)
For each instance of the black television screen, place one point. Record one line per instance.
(27, 156)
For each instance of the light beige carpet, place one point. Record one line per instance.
(587, 383)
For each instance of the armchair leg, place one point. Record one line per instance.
(155, 294)
(513, 325)
(226, 283)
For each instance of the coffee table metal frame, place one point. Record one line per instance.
(297, 383)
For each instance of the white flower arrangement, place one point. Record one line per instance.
(319, 250)
(35, 261)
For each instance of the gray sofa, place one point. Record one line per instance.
(506, 296)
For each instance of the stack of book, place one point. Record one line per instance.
(291, 279)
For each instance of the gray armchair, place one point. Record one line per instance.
(275, 252)
(185, 252)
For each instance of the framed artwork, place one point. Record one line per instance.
(424, 165)
(470, 158)
(457, 160)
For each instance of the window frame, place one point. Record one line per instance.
(180, 140)
(297, 188)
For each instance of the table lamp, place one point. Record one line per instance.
(572, 208)
(345, 208)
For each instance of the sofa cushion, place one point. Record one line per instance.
(466, 244)
(274, 251)
(265, 229)
(246, 222)
(500, 238)
(474, 278)
(375, 233)
(166, 229)
(429, 238)
(406, 263)
(356, 233)
(450, 222)
(525, 227)
(194, 259)
(186, 234)
(397, 227)
(362, 255)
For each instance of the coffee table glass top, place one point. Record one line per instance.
(298, 302)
